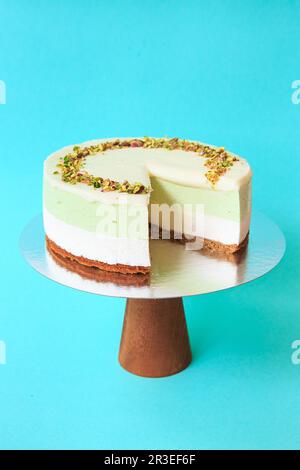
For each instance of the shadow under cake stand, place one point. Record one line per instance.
(155, 340)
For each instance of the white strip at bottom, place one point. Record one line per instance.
(225, 231)
(111, 250)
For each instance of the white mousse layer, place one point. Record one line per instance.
(227, 232)
(96, 246)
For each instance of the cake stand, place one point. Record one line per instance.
(155, 340)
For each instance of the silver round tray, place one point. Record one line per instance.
(175, 271)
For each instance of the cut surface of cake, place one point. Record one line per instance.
(100, 196)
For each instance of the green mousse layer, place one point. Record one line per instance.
(223, 204)
(89, 215)
(93, 216)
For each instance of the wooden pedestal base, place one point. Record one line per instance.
(155, 339)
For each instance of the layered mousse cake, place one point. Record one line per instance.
(100, 196)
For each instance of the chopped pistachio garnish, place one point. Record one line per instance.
(218, 161)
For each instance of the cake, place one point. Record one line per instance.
(101, 196)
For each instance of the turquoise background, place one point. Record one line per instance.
(218, 71)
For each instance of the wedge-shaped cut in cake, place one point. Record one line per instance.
(100, 196)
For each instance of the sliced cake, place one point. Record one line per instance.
(100, 196)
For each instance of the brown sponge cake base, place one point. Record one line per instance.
(116, 268)
(211, 245)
